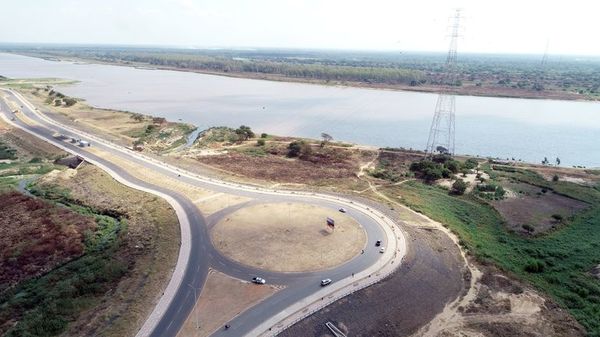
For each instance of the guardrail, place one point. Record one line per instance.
(385, 270)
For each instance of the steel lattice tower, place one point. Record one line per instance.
(441, 134)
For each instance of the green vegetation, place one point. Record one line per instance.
(223, 134)
(459, 187)
(440, 166)
(512, 75)
(299, 148)
(44, 306)
(6, 152)
(557, 263)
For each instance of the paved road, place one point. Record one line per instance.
(202, 253)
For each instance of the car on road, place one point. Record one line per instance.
(382, 250)
(326, 282)
(377, 243)
(258, 280)
(343, 210)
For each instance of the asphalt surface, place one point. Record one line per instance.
(203, 255)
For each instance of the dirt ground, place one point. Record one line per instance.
(533, 207)
(27, 146)
(288, 237)
(431, 275)
(503, 307)
(222, 298)
(151, 248)
(320, 169)
(218, 201)
(138, 171)
(117, 126)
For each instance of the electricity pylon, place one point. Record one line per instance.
(441, 133)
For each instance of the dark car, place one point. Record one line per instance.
(378, 243)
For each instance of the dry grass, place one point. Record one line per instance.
(218, 201)
(36, 236)
(150, 246)
(222, 298)
(150, 176)
(288, 237)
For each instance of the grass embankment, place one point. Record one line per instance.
(44, 305)
(127, 128)
(557, 263)
(111, 284)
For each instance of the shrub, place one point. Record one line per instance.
(529, 228)
(470, 164)
(260, 142)
(557, 217)
(459, 187)
(535, 267)
(555, 178)
(299, 148)
(264, 135)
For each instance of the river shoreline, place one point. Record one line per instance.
(462, 91)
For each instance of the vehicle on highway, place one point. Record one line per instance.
(378, 243)
(84, 143)
(325, 282)
(12, 118)
(259, 280)
(343, 210)
(382, 250)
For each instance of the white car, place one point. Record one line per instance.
(258, 280)
(325, 282)
(382, 250)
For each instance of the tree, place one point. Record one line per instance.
(459, 187)
(244, 132)
(69, 101)
(57, 102)
(326, 139)
(300, 149)
(555, 178)
(264, 135)
(453, 166)
(137, 117)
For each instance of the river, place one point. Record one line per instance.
(500, 127)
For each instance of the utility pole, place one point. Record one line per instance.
(441, 133)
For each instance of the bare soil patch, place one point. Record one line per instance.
(27, 146)
(323, 166)
(36, 236)
(535, 208)
(222, 299)
(288, 237)
(430, 276)
(216, 202)
(505, 307)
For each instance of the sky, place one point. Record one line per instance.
(508, 26)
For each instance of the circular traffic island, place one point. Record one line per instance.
(288, 237)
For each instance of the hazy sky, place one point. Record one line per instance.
(509, 26)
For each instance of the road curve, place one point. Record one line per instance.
(197, 253)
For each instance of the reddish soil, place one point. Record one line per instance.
(319, 167)
(36, 236)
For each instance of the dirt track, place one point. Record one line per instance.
(430, 276)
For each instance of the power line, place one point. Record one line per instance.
(441, 134)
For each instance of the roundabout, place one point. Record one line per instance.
(288, 237)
